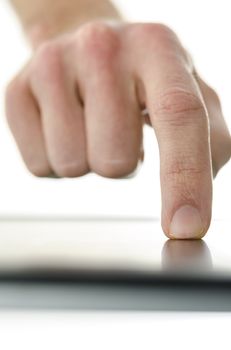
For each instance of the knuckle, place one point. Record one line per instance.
(116, 168)
(46, 64)
(156, 29)
(161, 39)
(156, 32)
(185, 169)
(177, 170)
(185, 179)
(178, 105)
(70, 169)
(98, 40)
(163, 30)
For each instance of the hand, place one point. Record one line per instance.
(76, 107)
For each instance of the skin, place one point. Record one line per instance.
(78, 104)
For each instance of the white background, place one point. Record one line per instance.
(204, 28)
(114, 331)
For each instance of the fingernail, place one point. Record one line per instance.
(186, 223)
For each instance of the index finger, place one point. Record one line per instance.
(179, 118)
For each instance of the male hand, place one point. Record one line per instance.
(76, 107)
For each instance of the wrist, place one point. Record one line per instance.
(43, 19)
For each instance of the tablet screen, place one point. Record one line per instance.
(111, 247)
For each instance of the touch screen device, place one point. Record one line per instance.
(112, 263)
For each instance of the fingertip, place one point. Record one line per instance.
(186, 224)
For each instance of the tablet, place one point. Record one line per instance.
(70, 261)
